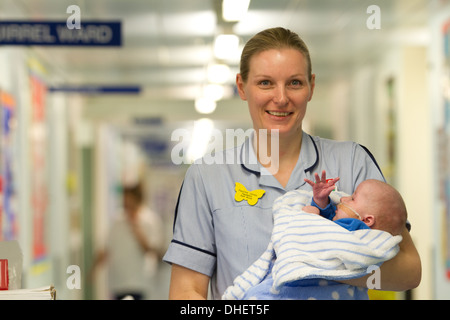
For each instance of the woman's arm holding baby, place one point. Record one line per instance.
(403, 272)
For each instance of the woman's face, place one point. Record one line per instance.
(277, 90)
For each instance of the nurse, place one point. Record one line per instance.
(223, 219)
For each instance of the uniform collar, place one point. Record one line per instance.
(248, 156)
(309, 157)
(309, 154)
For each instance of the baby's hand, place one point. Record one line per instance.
(311, 209)
(322, 188)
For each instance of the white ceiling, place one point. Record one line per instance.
(167, 44)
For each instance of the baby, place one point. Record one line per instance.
(374, 204)
(306, 251)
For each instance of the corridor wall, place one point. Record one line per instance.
(389, 112)
(440, 106)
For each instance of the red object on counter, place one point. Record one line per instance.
(4, 274)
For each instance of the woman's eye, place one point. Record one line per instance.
(296, 83)
(264, 82)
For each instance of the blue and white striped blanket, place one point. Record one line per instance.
(307, 252)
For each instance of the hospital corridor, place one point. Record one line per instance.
(106, 104)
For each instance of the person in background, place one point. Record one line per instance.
(133, 248)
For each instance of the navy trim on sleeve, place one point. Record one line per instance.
(195, 248)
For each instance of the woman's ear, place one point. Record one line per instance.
(312, 85)
(240, 87)
(369, 220)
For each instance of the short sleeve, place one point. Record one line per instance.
(193, 245)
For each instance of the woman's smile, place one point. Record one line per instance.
(279, 114)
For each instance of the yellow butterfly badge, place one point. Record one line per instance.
(243, 194)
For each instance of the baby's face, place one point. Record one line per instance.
(345, 211)
(359, 204)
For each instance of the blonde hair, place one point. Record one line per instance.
(273, 38)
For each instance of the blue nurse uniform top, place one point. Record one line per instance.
(220, 237)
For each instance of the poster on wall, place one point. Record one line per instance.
(38, 145)
(8, 213)
(443, 138)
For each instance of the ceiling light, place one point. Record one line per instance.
(213, 92)
(205, 105)
(226, 46)
(234, 10)
(218, 73)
